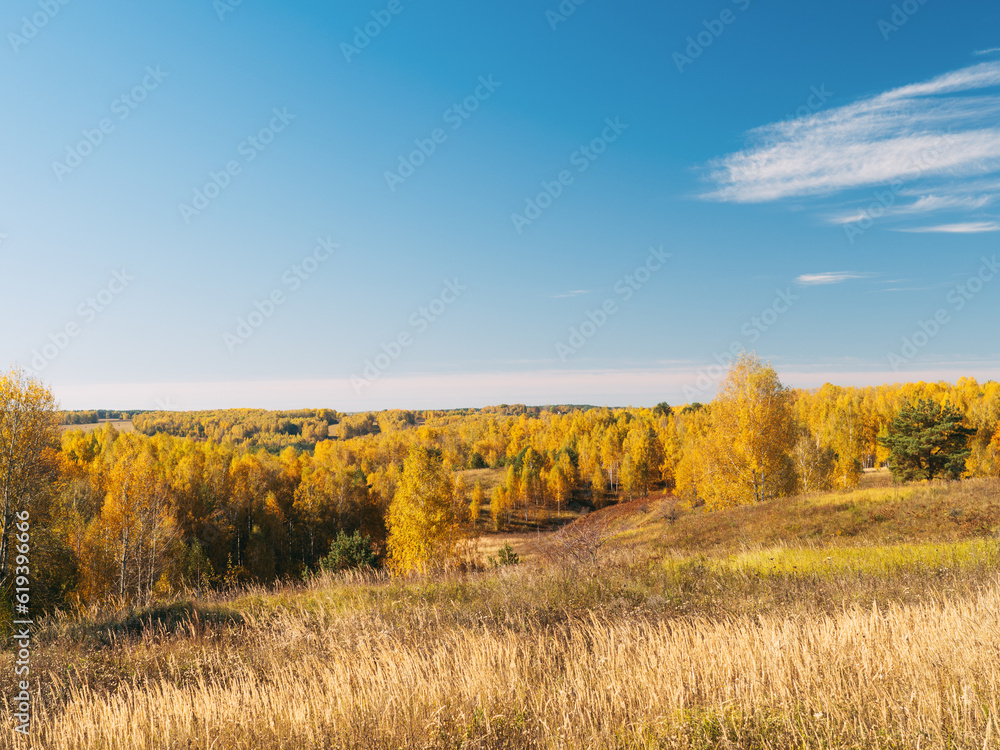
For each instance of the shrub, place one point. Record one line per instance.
(505, 556)
(346, 552)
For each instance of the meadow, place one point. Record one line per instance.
(852, 619)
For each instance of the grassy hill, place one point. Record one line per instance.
(878, 512)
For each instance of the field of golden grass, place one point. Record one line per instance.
(738, 642)
(121, 425)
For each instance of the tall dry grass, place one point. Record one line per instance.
(729, 640)
(309, 673)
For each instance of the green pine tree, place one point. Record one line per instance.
(926, 440)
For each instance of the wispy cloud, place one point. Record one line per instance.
(990, 51)
(574, 293)
(923, 205)
(829, 277)
(848, 218)
(968, 227)
(929, 203)
(945, 130)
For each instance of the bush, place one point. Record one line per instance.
(505, 556)
(354, 551)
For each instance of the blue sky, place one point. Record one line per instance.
(406, 204)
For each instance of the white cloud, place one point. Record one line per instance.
(913, 132)
(987, 51)
(924, 204)
(850, 218)
(968, 227)
(928, 203)
(574, 293)
(829, 277)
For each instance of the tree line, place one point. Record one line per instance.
(273, 430)
(92, 416)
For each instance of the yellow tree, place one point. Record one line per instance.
(611, 456)
(28, 439)
(531, 481)
(459, 495)
(331, 500)
(629, 477)
(384, 481)
(513, 487)
(994, 466)
(670, 449)
(134, 537)
(753, 433)
(499, 506)
(598, 486)
(814, 464)
(424, 529)
(692, 473)
(846, 427)
(476, 504)
(646, 457)
(559, 481)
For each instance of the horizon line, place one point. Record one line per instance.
(639, 387)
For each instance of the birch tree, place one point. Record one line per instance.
(29, 437)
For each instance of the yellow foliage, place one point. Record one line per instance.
(424, 529)
(751, 435)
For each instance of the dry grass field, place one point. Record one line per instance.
(121, 425)
(885, 638)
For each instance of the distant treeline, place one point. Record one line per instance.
(252, 428)
(93, 416)
(304, 428)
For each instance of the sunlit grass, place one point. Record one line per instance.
(695, 632)
(876, 513)
(873, 560)
(476, 663)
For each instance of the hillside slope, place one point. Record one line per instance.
(878, 512)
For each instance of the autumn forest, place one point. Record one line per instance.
(202, 500)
